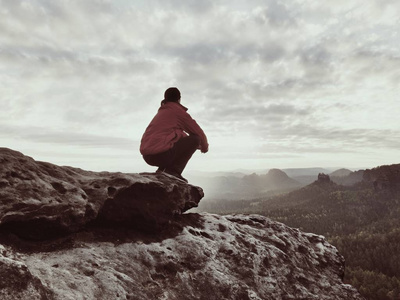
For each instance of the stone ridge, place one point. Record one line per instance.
(41, 200)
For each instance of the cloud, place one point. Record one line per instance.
(191, 6)
(278, 14)
(335, 138)
(243, 111)
(48, 136)
(301, 75)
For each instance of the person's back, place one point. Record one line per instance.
(164, 130)
(172, 136)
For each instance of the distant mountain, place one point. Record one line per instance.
(236, 185)
(245, 187)
(295, 172)
(305, 175)
(291, 172)
(381, 178)
(347, 177)
(277, 176)
(384, 177)
(278, 179)
(340, 173)
(275, 179)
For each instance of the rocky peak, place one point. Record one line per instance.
(323, 178)
(95, 242)
(277, 174)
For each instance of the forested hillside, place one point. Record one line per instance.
(362, 221)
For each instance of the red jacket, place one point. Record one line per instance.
(170, 124)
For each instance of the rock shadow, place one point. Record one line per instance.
(96, 232)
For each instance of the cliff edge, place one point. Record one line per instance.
(67, 233)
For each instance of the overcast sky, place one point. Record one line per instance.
(274, 84)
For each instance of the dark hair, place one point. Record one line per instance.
(172, 94)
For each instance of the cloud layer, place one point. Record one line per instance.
(273, 83)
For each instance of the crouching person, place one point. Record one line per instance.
(172, 136)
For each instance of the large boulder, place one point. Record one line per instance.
(39, 199)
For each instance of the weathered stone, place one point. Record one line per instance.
(150, 205)
(208, 257)
(323, 178)
(39, 199)
(17, 282)
(191, 256)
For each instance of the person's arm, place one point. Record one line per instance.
(189, 125)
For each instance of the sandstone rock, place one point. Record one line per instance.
(39, 199)
(95, 252)
(208, 257)
(323, 178)
(17, 282)
(152, 204)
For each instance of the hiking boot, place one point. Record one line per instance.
(160, 170)
(175, 174)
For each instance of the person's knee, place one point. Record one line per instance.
(194, 140)
(187, 144)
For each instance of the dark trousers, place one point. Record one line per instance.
(176, 158)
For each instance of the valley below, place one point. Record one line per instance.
(357, 211)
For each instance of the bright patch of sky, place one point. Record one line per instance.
(274, 84)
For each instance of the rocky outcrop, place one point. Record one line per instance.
(207, 257)
(95, 242)
(40, 200)
(323, 178)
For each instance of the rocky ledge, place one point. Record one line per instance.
(66, 233)
(39, 200)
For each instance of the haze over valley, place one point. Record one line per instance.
(358, 211)
(245, 184)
